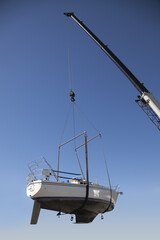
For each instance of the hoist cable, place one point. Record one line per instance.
(68, 54)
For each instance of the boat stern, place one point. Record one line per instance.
(33, 188)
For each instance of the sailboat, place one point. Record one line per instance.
(76, 195)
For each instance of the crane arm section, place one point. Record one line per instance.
(138, 85)
(146, 100)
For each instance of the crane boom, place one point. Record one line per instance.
(146, 101)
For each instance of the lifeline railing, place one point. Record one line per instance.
(40, 169)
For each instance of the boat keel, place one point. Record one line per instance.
(35, 212)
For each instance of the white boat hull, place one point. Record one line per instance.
(71, 198)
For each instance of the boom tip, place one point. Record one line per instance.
(69, 14)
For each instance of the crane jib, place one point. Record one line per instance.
(146, 100)
(137, 84)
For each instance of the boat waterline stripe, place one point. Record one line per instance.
(69, 198)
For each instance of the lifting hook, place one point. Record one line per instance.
(72, 95)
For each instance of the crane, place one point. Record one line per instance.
(148, 103)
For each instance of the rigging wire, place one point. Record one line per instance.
(103, 151)
(65, 124)
(91, 123)
(80, 120)
(105, 159)
(109, 180)
(74, 133)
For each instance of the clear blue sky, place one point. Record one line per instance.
(34, 87)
